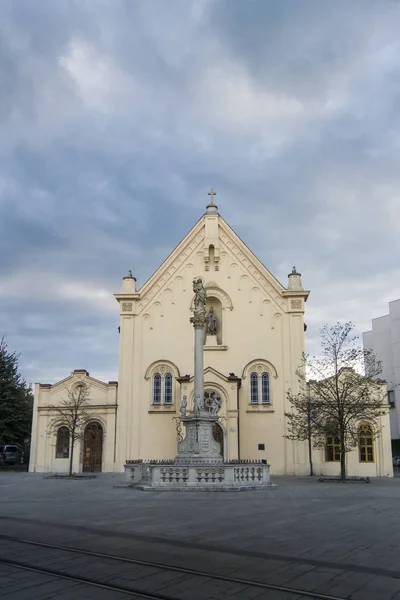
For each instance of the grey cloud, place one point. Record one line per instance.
(118, 116)
(55, 338)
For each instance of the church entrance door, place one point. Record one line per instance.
(218, 436)
(92, 448)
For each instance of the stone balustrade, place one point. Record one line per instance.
(164, 475)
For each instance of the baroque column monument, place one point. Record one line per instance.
(199, 445)
(199, 464)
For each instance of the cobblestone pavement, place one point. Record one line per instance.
(341, 540)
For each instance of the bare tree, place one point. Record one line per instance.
(75, 413)
(302, 422)
(335, 392)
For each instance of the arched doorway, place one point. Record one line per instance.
(92, 448)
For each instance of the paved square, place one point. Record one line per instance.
(341, 540)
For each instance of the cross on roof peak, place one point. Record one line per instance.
(211, 206)
(212, 194)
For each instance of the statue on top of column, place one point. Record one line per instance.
(200, 299)
(199, 294)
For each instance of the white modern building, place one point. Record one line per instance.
(384, 340)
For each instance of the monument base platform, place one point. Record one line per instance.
(196, 476)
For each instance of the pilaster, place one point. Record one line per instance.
(125, 377)
(34, 431)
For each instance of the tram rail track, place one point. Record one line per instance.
(132, 590)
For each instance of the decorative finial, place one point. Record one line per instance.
(129, 276)
(211, 206)
(295, 280)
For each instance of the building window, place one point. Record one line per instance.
(163, 388)
(332, 449)
(265, 388)
(62, 445)
(254, 388)
(168, 388)
(366, 443)
(259, 388)
(157, 389)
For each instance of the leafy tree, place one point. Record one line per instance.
(335, 394)
(16, 400)
(75, 413)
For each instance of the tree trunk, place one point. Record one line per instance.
(342, 458)
(343, 467)
(310, 456)
(71, 459)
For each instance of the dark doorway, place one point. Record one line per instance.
(93, 448)
(218, 436)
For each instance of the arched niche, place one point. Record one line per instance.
(214, 302)
(221, 302)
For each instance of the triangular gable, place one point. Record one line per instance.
(233, 244)
(212, 371)
(76, 376)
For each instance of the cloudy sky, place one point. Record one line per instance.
(118, 115)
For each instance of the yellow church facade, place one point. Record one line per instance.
(253, 344)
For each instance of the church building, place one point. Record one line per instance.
(253, 344)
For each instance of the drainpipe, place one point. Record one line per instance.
(232, 377)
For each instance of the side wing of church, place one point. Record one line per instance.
(253, 344)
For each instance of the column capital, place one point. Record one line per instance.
(198, 321)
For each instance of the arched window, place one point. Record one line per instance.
(265, 388)
(157, 388)
(259, 375)
(332, 449)
(163, 388)
(366, 443)
(254, 388)
(62, 445)
(168, 388)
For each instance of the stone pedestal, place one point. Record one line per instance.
(199, 444)
(211, 340)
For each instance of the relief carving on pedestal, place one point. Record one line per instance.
(126, 306)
